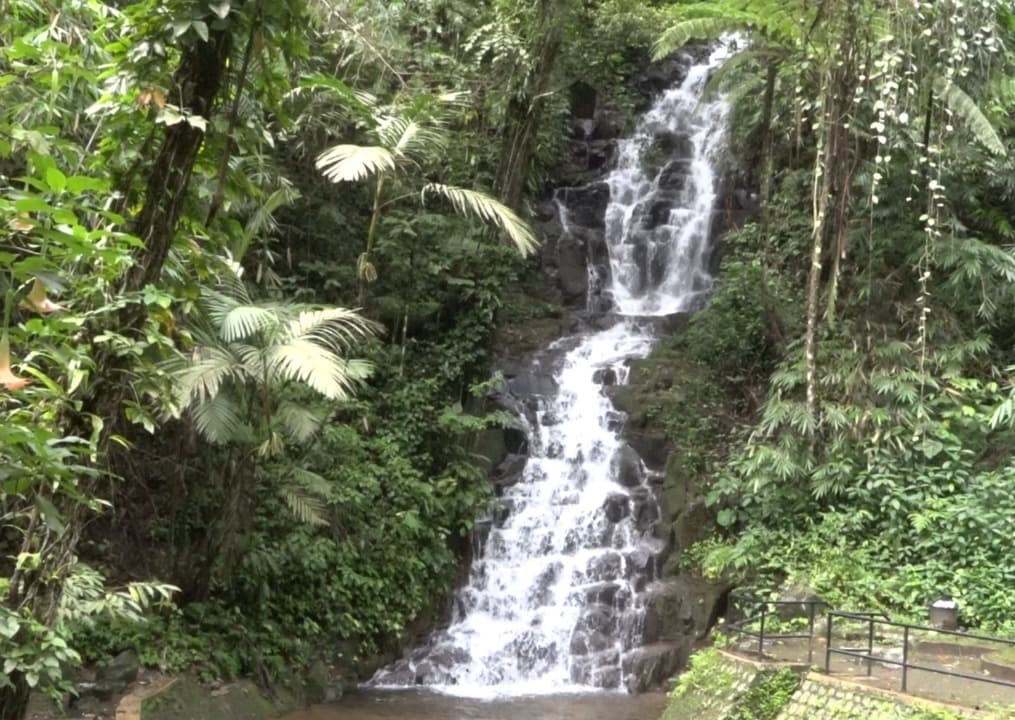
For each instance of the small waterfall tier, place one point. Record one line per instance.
(554, 601)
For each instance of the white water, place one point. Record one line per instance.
(552, 601)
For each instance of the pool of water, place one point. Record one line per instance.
(417, 705)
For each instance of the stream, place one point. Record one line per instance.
(552, 620)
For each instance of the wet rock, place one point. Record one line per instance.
(116, 675)
(605, 376)
(502, 511)
(509, 472)
(608, 566)
(550, 418)
(616, 507)
(554, 449)
(583, 100)
(602, 593)
(608, 679)
(652, 665)
(598, 618)
(680, 610)
(542, 587)
(626, 466)
(572, 270)
(640, 563)
(673, 177)
(614, 421)
(645, 512)
(586, 206)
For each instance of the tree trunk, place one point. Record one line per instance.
(14, 699)
(197, 82)
(525, 112)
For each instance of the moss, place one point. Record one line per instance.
(187, 699)
(766, 698)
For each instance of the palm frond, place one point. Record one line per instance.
(218, 420)
(298, 421)
(302, 504)
(332, 327)
(482, 206)
(964, 107)
(307, 362)
(243, 321)
(203, 378)
(351, 163)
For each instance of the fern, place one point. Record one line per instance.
(705, 28)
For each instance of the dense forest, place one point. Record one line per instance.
(257, 259)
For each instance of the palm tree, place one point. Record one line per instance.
(403, 141)
(236, 384)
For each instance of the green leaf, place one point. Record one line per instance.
(56, 180)
(9, 626)
(221, 9)
(50, 514)
(201, 28)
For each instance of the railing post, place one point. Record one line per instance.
(761, 631)
(810, 634)
(870, 645)
(828, 645)
(905, 656)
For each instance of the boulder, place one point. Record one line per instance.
(586, 205)
(651, 666)
(795, 602)
(605, 376)
(608, 566)
(626, 467)
(679, 610)
(116, 675)
(616, 507)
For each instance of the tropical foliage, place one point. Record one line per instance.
(252, 268)
(871, 463)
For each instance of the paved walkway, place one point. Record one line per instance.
(930, 685)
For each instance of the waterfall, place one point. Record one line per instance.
(553, 599)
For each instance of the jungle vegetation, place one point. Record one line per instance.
(253, 255)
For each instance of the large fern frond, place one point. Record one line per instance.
(482, 206)
(351, 163)
(683, 32)
(966, 109)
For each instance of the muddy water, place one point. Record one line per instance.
(415, 705)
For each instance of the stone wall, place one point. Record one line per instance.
(825, 698)
(721, 686)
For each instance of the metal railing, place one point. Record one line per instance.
(872, 621)
(746, 611)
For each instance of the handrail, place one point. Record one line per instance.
(905, 664)
(739, 626)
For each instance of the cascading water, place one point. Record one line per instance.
(553, 599)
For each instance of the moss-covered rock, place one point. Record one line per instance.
(243, 700)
